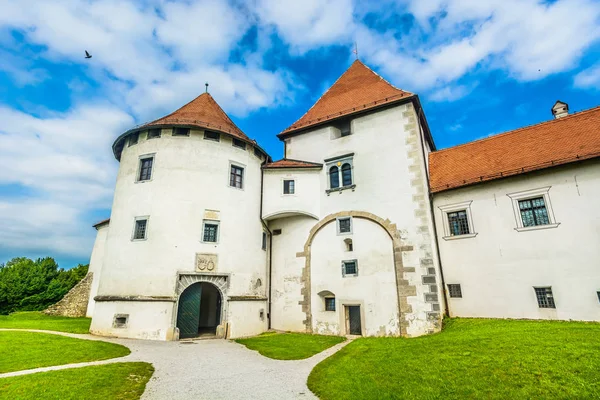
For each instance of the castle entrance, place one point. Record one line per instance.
(199, 310)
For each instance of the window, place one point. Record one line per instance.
(349, 268)
(346, 175)
(349, 244)
(454, 290)
(210, 135)
(239, 143)
(264, 240)
(276, 231)
(458, 222)
(120, 320)
(598, 294)
(153, 133)
(181, 131)
(145, 169)
(258, 153)
(533, 212)
(289, 186)
(329, 303)
(341, 129)
(236, 178)
(140, 229)
(544, 297)
(210, 232)
(344, 225)
(134, 138)
(334, 177)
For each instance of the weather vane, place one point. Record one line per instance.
(355, 51)
(206, 90)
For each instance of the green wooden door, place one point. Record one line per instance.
(188, 314)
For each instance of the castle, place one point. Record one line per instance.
(363, 227)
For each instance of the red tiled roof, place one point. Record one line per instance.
(357, 90)
(289, 163)
(559, 141)
(203, 112)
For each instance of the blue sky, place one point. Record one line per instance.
(480, 68)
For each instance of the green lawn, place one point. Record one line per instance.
(27, 350)
(290, 346)
(471, 358)
(123, 381)
(38, 320)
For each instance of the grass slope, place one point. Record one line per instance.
(471, 358)
(290, 346)
(27, 350)
(38, 320)
(124, 381)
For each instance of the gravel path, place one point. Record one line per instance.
(210, 369)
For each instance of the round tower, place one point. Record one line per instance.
(185, 253)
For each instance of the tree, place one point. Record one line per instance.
(28, 285)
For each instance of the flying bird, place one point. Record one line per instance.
(87, 55)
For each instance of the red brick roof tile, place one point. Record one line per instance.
(289, 163)
(564, 140)
(357, 90)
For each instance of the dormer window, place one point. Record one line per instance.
(181, 131)
(153, 133)
(211, 135)
(239, 143)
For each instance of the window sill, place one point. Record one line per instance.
(340, 189)
(456, 237)
(535, 228)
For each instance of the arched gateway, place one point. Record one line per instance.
(199, 310)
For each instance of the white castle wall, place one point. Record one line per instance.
(190, 176)
(96, 260)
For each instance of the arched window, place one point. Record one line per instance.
(334, 177)
(346, 175)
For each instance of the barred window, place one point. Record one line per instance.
(458, 222)
(211, 135)
(329, 303)
(153, 133)
(211, 230)
(145, 169)
(134, 138)
(334, 177)
(239, 143)
(349, 267)
(139, 232)
(181, 131)
(533, 212)
(544, 297)
(346, 175)
(236, 179)
(454, 290)
(289, 186)
(345, 225)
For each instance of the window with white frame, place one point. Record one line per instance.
(140, 228)
(533, 210)
(350, 268)
(236, 176)
(210, 231)
(340, 172)
(145, 168)
(457, 220)
(344, 225)
(289, 186)
(454, 290)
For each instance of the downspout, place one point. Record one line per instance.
(431, 209)
(269, 238)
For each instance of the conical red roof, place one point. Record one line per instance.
(203, 112)
(357, 90)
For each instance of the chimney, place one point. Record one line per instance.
(560, 109)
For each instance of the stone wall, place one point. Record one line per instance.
(75, 303)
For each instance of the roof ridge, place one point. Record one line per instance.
(506, 133)
(295, 159)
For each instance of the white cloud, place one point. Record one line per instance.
(589, 78)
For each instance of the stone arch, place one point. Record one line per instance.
(403, 288)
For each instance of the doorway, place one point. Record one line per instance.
(353, 323)
(199, 310)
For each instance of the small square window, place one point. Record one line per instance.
(236, 177)
(211, 135)
(145, 169)
(211, 232)
(533, 212)
(458, 222)
(181, 131)
(544, 297)
(134, 138)
(329, 303)
(120, 320)
(289, 186)
(344, 225)
(349, 267)
(264, 241)
(454, 290)
(140, 229)
(154, 133)
(276, 231)
(239, 143)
